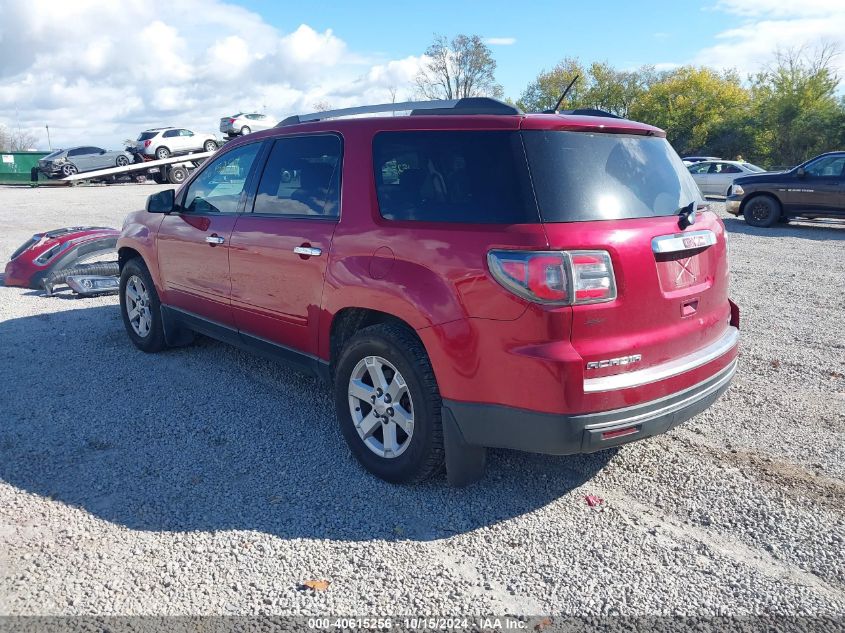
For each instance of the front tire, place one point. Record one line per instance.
(762, 211)
(140, 307)
(162, 153)
(122, 161)
(388, 404)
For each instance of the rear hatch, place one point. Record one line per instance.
(622, 193)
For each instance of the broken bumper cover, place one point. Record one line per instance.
(496, 426)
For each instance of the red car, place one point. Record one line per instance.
(467, 276)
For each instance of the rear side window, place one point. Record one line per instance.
(580, 176)
(302, 177)
(453, 176)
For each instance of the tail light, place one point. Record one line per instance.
(147, 143)
(232, 120)
(555, 277)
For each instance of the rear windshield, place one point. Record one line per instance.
(55, 154)
(145, 136)
(581, 176)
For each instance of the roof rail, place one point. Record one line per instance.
(590, 112)
(467, 105)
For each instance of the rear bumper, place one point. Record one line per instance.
(732, 205)
(497, 426)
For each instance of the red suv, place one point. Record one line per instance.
(467, 276)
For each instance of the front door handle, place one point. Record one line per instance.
(308, 251)
(215, 239)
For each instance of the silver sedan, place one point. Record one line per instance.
(714, 177)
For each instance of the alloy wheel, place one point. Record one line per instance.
(759, 210)
(381, 407)
(138, 306)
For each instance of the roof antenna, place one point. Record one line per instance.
(562, 97)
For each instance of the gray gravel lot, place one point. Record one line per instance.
(207, 481)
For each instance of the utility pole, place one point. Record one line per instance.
(48, 138)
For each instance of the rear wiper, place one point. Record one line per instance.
(686, 215)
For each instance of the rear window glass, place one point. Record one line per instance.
(301, 178)
(581, 176)
(145, 136)
(471, 177)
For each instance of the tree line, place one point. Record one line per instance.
(785, 113)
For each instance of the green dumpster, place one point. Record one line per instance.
(15, 167)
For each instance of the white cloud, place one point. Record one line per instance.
(500, 41)
(100, 71)
(761, 27)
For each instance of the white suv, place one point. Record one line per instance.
(243, 123)
(164, 142)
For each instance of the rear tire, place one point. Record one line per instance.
(162, 153)
(69, 169)
(762, 211)
(140, 307)
(403, 443)
(210, 146)
(245, 130)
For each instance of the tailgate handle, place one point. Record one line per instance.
(683, 241)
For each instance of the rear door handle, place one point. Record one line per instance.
(214, 240)
(308, 251)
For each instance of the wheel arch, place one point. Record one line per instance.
(757, 194)
(347, 321)
(125, 253)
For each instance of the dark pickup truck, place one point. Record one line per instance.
(813, 189)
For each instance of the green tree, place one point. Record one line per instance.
(543, 93)
(796, 107)
(616, 91)
(694, 105)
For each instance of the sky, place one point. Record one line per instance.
(100, 72)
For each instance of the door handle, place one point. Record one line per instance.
(308, 251)
(214, 240)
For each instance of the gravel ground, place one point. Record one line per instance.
(207, 481)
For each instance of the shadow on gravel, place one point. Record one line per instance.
(824, 230)
(209, 438)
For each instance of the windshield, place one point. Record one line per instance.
(754, 168)
(145, 136)
(580, 176)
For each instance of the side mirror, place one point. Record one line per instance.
(162, 202)
(801, 173)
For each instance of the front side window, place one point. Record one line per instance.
(219, 187)
(828, 166)
(459, 176)
(302, 177)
